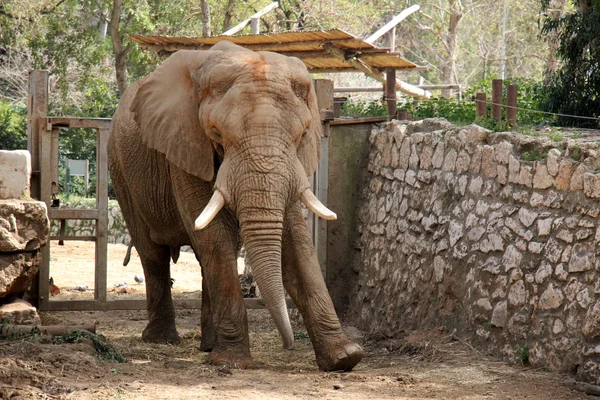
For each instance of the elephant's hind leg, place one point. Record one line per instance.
(161, 313)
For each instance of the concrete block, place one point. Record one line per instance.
(15, 172)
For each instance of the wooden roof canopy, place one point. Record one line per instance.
(321, 51)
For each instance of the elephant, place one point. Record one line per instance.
(213, 150)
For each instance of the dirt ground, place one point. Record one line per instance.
(424, 365)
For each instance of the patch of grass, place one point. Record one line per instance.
(300, 335)
(523, 353)
(556, 137)
(575, 152)
(103, 350)
(576, 136)
(534, 155)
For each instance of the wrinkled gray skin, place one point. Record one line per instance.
(246, 124)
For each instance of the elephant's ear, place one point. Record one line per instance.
(165, 108)
(309, 150)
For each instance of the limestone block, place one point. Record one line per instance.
(565, 235)
(455, 232)
(23, 225)
(404, 154)
(565, 172)
(527, 217)
(583, 257)
(450, 160)
(17, 271)
(591, 185)
(489, 165)
(19, 312)
(503, 151)
(577, 178)
(526, 176)
(476, 185)
(512, 258)
(542, 179)
(517, 295)
(544, 226)
(413, 161)
(552, 162)
(426, 157)
(514, 167)
(462, 162)
(502, 174)
(15, 173)
(551, 298)
(591, 327)
(475, 161)
(500, 314)
(553, 250)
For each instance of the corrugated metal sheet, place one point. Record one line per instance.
(308, 46)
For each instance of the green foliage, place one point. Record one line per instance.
(455, 111)
(575, 87)
(534, 155)
(523, 353)
(374, 108)
(13, 126)
(103, 349)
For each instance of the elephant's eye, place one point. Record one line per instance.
(217, 135)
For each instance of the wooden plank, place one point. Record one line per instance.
(324, 91)
(352, 121)
(54, 162)
(92, 305)
(102, 221)
(322, 176)
(380, 88)
(349, 68)
(256, 15)
(376, 74)
(72, 213)
(74, 238)
(37, 107)
(77, 122)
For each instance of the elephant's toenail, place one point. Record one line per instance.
(341, 356)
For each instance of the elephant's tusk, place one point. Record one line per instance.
(210, 211)
(310, 200)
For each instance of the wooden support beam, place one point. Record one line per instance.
(102, 221)
(390, 92)
(357, 63)
(38, 107)
(255, 26)
(481, 105)
(256, 15)
(497, 99)
(77, 122)
(60, 213)
(511, 105)
(395, 21)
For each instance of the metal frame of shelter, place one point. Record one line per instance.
(321, 51)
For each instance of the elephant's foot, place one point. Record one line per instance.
(232, 359)
(341, 355)
(206, 344)
(160, 333)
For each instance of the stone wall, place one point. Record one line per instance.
(461, 229)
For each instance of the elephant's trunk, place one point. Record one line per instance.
(261, 233)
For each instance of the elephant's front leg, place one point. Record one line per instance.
(217, 246)
(304, 282)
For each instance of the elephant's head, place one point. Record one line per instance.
(248, 121)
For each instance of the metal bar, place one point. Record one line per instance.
(395, 21)
(497, 99)
(73, 237)
(511, 105)
(77, 122)
(258, 14)
(102, 221)
(72, 213)
(37, 107)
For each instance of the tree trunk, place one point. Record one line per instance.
(451, 39)
(228, 15)
(205, 18)
(555, 11)
(119, 51)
